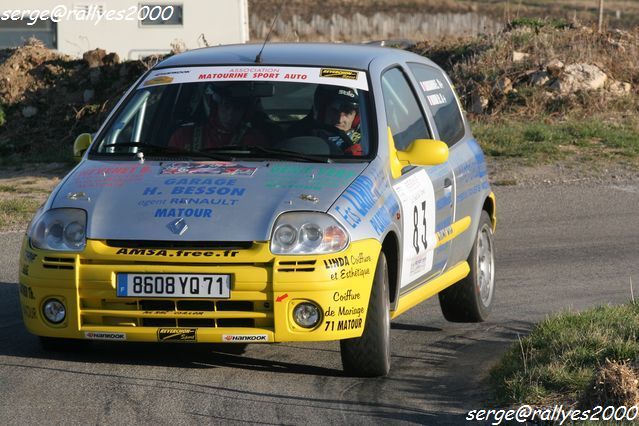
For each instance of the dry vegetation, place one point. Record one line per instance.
(23, 188)
(48, 99)
(487, 67)
(580, 359)
(618, 13)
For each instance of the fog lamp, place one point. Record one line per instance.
(306, 315)
(54, 311)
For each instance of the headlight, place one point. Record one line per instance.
(307, 233)
(59, 229)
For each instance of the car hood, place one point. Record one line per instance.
(217, 201)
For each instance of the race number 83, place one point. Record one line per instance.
(417, 238)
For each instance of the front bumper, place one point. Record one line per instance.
(264, 291)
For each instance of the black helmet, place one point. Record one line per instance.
(344, 99)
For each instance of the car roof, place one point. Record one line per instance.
(354, 56)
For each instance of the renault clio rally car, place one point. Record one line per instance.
(297, 238)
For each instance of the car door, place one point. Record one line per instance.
(425, 193)
(465, 156)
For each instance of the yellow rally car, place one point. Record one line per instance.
(312, 194)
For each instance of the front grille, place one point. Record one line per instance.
(250, 304)
(296, 266)
(176, 313)
(193, 245)
(57, 263)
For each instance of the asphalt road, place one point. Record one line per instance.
(558, 248)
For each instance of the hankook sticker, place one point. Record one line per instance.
(104, 335)
(245, 338)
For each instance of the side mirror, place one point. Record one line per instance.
(424, 152)
(81, 144)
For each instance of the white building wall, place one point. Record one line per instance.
(216, 21)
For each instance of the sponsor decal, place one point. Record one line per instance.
(361, 196)
(342, 262)
(336, 262)
(343, 325)
(180, 213)
(382, 219)
(337, 73)
(354, 272)
(307, 177)
(29, 256)
(104, 335)
(26, 292)
(207, 168)
(165, 79)
(344, 311)
(346, 296)
(334, 315)
(94, 177)
(473, 190)
(431, 85)
(191, 186)
(28, 312)
(175, 72)
(176, 253)
(341, 77)
(436, 99)
(177, 334)
(444, 233)
(198, 186)
(349, 324)
(196, 201)
(245, 338)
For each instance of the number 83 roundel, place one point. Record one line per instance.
(417, 199)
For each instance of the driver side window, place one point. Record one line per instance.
(403, 114)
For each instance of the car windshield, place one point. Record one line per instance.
(314, 114)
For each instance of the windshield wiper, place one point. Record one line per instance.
(166, 150)
(270, 153)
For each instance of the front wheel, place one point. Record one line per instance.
(369, 355)
(471, 299)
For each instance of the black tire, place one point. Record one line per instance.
(467, 301)
(56, 344)
(369, 355)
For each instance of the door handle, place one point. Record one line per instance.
(448, 183)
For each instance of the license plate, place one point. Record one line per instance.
(174, 285)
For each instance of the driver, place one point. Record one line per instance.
(335, 118)
(227, 125)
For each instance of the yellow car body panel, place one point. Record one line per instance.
(265, 289)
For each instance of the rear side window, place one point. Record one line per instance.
(403, 114)
(441, 100)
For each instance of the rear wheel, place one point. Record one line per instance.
(471, 299)
(369, 355)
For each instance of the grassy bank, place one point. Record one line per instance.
(540, 141)
(15, 212)
(584, 357)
